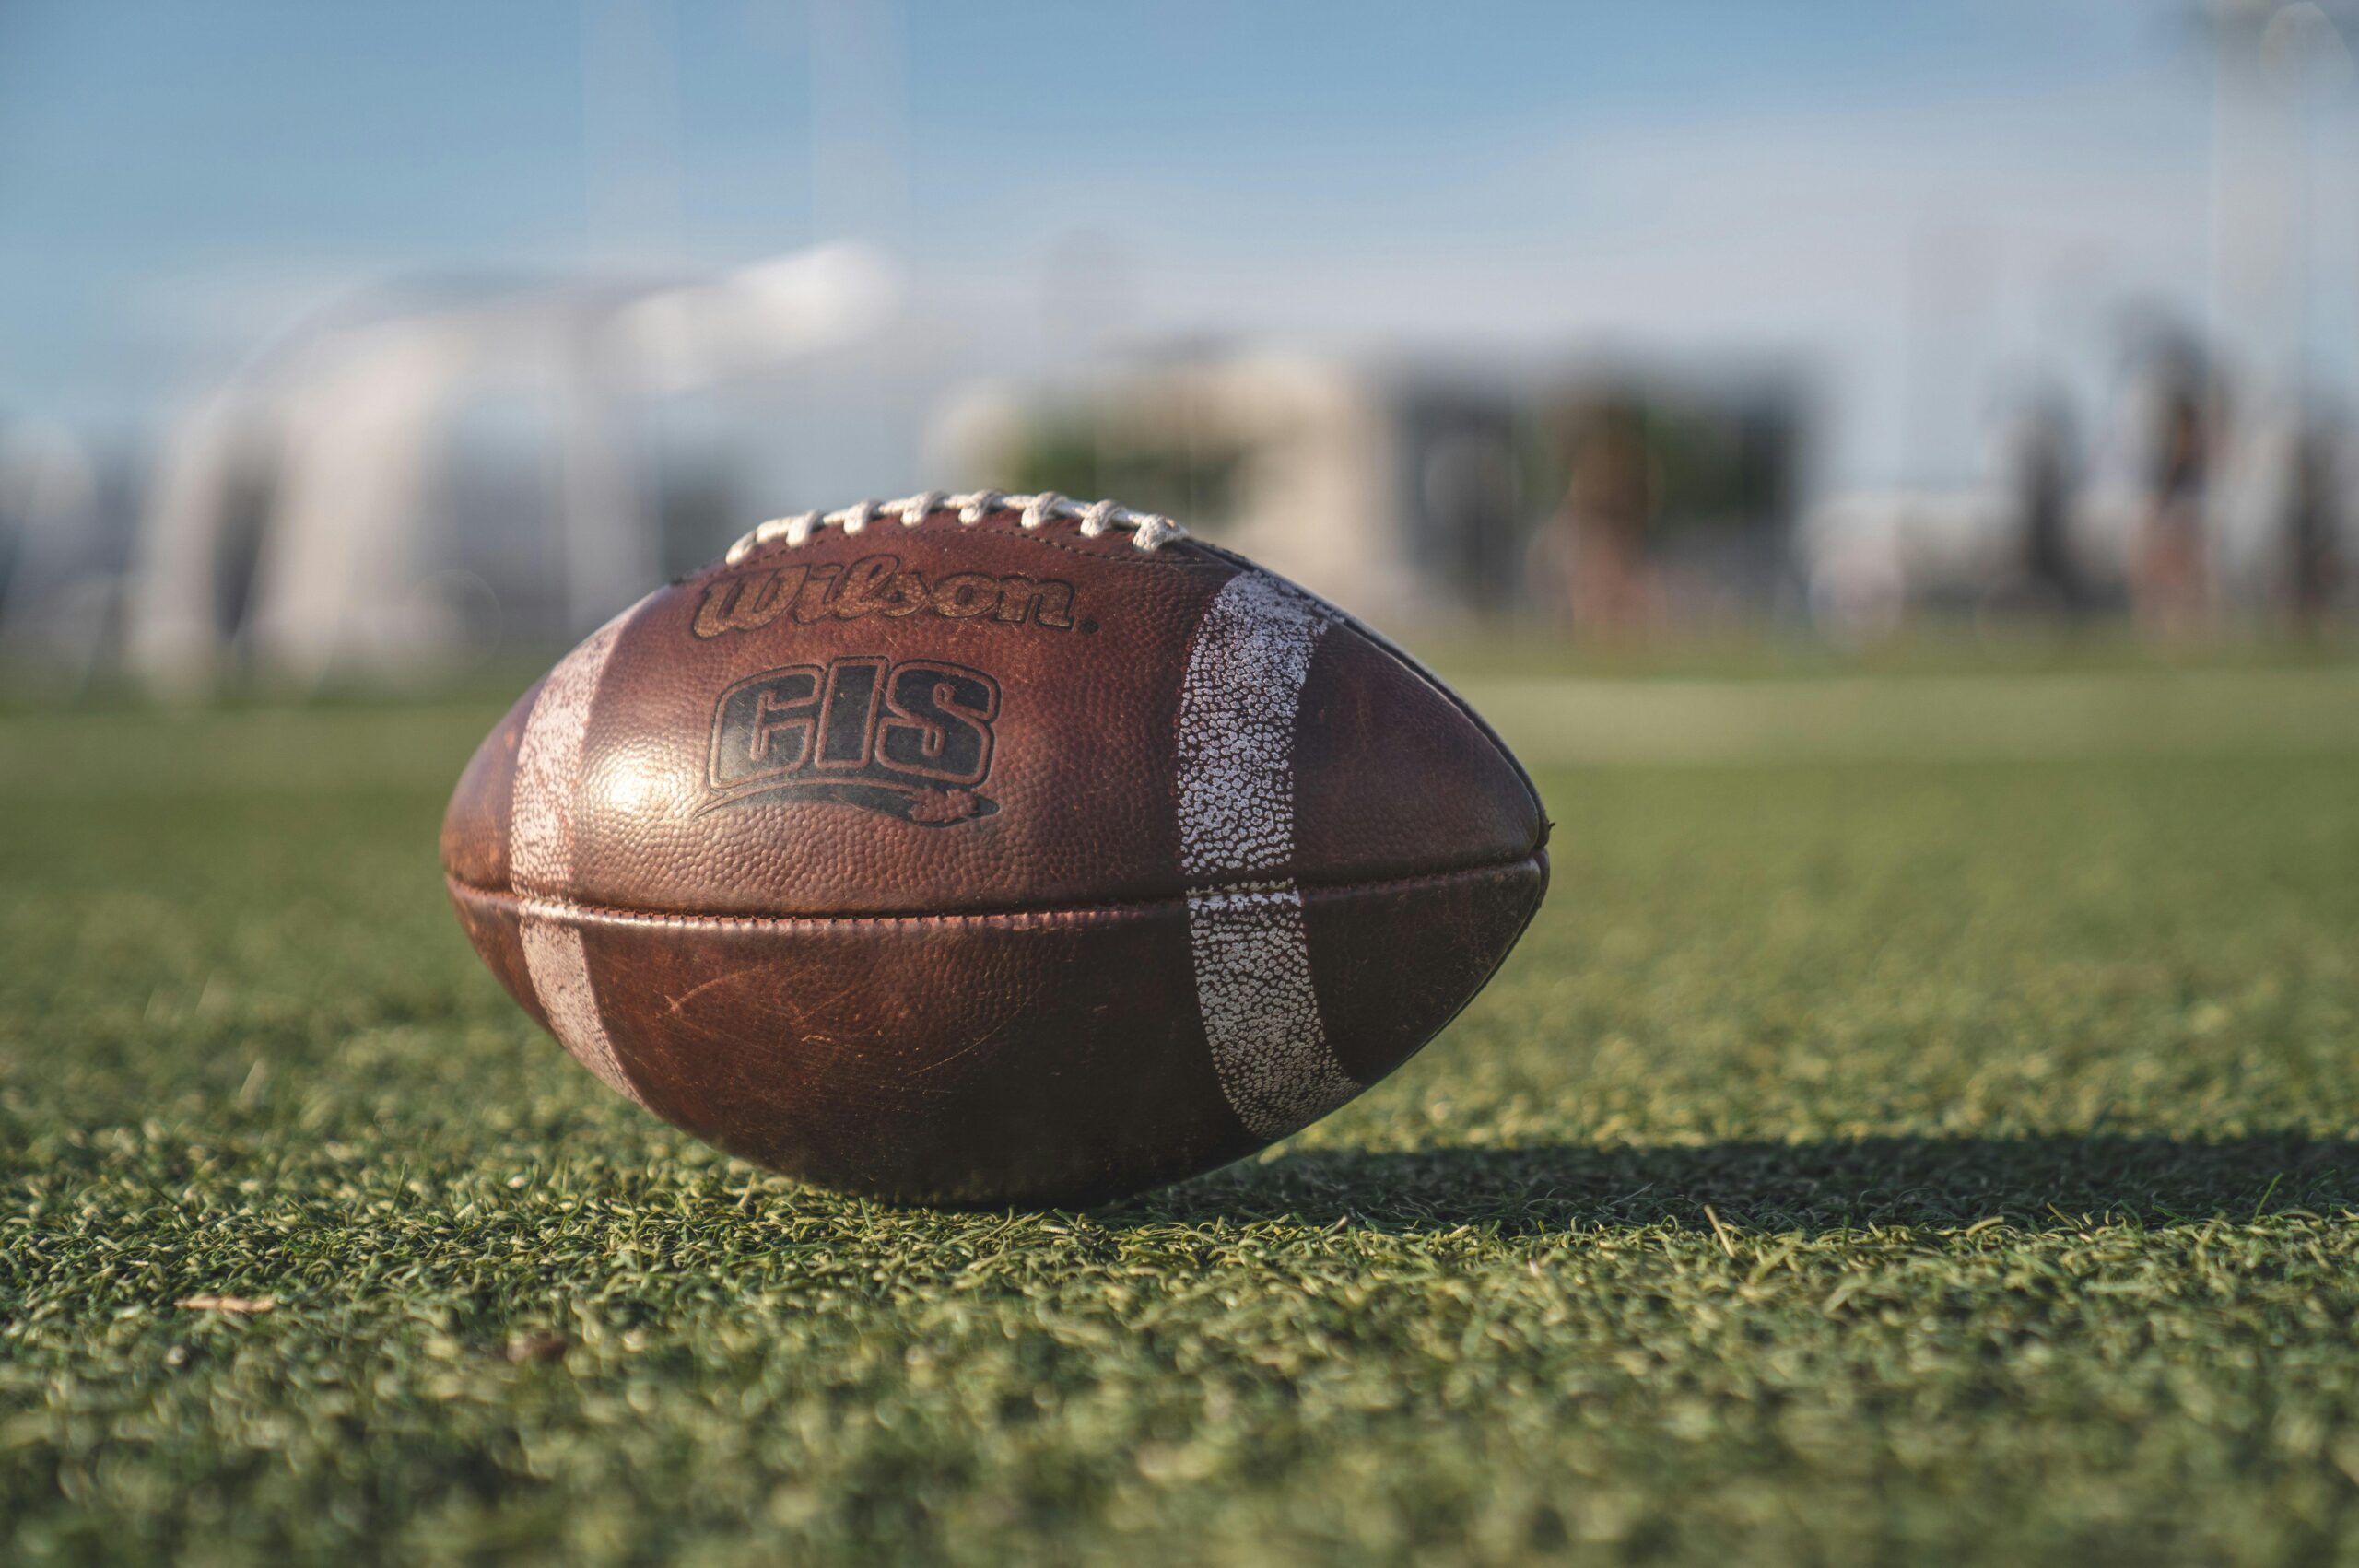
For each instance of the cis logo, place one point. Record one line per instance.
(909, 740)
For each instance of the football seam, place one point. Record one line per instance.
(610, 914)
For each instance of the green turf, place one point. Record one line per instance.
(1864, 1158)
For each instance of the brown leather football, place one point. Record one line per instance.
(986, 849)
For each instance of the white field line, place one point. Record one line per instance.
(1574, 722)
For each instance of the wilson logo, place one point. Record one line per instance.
(910, 739)
(876, 585)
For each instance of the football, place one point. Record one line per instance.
(984, 849)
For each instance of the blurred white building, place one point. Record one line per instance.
(314, 519)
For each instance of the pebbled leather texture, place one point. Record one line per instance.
(863, 859)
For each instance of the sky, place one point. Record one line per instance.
(1925, 210)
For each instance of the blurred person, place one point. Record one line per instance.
(2313, 526)
(2170, 578)
(2041, 484)
(1590, 559)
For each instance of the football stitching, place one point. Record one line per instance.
(1149, 530)
(1192, 555)
(611, 913)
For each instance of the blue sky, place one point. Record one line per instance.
(1924, 205)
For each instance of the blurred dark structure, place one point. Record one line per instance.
(1465, 477)
(68, 518)
(1606, 500)
(1678, 501)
